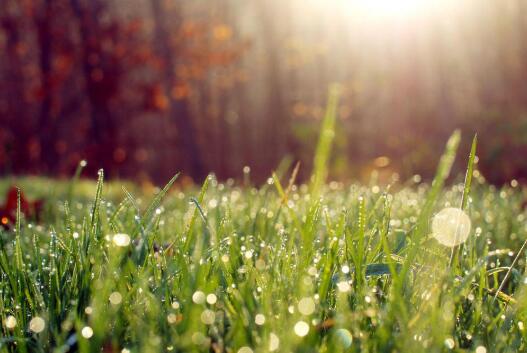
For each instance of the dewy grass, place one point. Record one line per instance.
(302, 268)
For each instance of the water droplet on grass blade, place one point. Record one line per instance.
(116, 298)
(212, 299)
(451, 226)
(449, 343)
(171, 318)
(301, 328)
(274, 342)
(121, 239)
(198, 297)
(306, 306)
(343, 287)
(87, 332)
(10, 322)
(208, 317)
(259, 319)
(344, 337)
(37, 324)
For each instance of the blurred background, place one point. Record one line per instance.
(146, 88)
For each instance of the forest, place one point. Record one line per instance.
(147, 88)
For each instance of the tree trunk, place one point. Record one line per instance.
(46, 124)
(98, 92)
(178, 110)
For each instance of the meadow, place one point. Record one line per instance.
(280, 267)
(173, 180)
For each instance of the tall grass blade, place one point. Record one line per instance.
(325, 141)
(466, 187)
(421, 227)
(190, 230)
(470, 172)
(96, 203)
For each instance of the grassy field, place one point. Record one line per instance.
(320, 267)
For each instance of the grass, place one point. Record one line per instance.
(324, 267)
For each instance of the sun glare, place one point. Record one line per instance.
(391, 7)
(402, 9)
(386, 9)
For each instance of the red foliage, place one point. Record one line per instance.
(31, 209)
(84, 81)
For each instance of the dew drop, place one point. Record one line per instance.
(121, 239)
(343, 287)
(306, 306)
(116, 298)
(208, 317)
(344, 337)
(198, 297)
(37, 324)
(10, 322)
(274, 342)
(259, 319)
(87, 332)
(171, 318)
(481, 349)
(301, 328)
(212, 299)
(449, 343)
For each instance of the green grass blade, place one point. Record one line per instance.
(96, 203)
(19, 259)
(470, 172)
(74, 180)
(442, 173)
(190, 230)
(325, 141)
(466, 189)
(157, 199)
(421, 227)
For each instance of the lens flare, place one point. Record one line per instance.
(451, 226)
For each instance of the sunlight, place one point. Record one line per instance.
(385, 9)
(393, 8)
